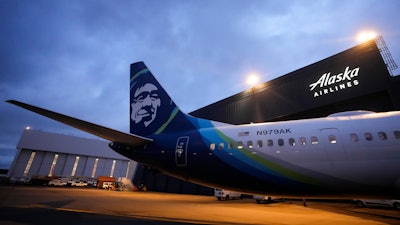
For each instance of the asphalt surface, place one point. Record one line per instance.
(45, 205)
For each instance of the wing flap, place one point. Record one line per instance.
(100, 131)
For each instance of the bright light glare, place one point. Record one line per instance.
(27, 128)
(366, 36)
(252, 79)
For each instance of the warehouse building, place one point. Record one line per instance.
(359, 78)
(42, 154)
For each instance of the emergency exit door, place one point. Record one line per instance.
(181, 151)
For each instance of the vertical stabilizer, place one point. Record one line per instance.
(151, 109)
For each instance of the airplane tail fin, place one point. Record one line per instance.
(152, 110)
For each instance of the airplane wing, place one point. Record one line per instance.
(100, 131)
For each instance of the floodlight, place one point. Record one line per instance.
(366, 36)
(252, 79)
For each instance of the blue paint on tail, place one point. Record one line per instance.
(152, 111)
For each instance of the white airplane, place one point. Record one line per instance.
(351, 154)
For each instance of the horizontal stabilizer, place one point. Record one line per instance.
(100, 131)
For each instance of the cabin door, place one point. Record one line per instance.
(181, 151)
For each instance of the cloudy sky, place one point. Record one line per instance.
(73, 57)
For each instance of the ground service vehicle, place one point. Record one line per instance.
(222, 194)
(57, 182)
(378, 203)
(262, 198)
(77, 183)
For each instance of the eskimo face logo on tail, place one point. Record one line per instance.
(145, 104)
(151, 108)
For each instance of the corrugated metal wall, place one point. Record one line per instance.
(61, 155)
(42, 163)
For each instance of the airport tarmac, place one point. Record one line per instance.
(23, 205)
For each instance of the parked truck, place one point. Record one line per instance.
(222, 194)
(105, 182)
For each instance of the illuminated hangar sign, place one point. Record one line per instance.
(330, 83)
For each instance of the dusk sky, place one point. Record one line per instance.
(73, 57)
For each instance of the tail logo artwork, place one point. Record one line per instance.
(145, 104)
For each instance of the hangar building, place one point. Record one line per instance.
(43, 154)
(356, 79)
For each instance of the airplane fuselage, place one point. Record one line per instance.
(350, 155)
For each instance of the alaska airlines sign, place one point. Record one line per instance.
(328, 83)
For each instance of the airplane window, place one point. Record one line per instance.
(221, 146)
(270, 142)
(382, 136)
(396, 134)
(280, 142)
(368, 136)
(250, 144)
(332, 139)
(354, 137)
(292, 142)
(259, 144)
(240, 145)
(314, 140)
(212, 146)
(303, 141)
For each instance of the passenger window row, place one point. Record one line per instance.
(369, 136)
(260, 144)
(280, 142)
(302, 141)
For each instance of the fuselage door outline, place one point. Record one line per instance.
(333, 144)
(181, 151)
